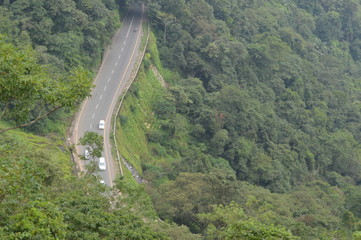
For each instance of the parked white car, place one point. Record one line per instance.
(86, 154)
(101, 124)
(102, 164)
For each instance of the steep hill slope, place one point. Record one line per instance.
(48, 50)
(263, 95)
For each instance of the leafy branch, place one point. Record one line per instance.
(26, 87)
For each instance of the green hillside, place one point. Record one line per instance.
(244, 121)
(257, 130)
(49, 51)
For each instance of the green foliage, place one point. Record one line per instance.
(328, 26)
(124, 119)
(27, 91)
(94, 142)
(141, 125)
(254, 231)
(40, 198)
(39, 220)
(266, 91)
(259, 117)
(73, 32)
(186, 197)
(271, 48)
(23, 82)
(89, 215)
(230, 222)
(27, 164)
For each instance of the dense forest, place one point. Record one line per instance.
(255, 133)
(49, 52)
(259, 123)
(54, 45)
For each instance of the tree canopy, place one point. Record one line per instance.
(28, 93)
(267, 90)
(48, 53)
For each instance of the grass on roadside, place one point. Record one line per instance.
(136, 118)
(54, 148)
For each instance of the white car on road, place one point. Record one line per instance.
(102, 164)
(101, 124)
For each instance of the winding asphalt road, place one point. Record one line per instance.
(110, 82)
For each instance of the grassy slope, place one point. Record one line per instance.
(136, 120)
(131, 136)
(136, 117)
(53, 147)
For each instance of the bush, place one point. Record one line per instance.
(123, 119)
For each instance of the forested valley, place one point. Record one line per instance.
(255, 133)
(257, 129)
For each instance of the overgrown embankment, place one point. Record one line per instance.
(136, 117)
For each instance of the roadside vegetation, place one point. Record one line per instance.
(136, 116)
(253, 134)
(49, 51)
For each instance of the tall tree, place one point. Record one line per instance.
(28, 93)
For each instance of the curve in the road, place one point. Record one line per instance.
(110, 82)
(120, 88)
